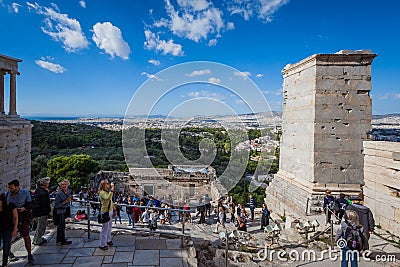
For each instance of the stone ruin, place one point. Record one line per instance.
(326, 121)
(15, 132)
(327, 114)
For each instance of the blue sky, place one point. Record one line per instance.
(90, 57)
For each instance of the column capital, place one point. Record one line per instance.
(13, 72)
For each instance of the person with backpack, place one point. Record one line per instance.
(350, 238)
(364, 214)
(328, 206)
(40, 214)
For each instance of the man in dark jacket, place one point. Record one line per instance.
(364, 215)
(328, 199)
(42, 210)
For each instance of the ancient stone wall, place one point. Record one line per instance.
(382, 183)
(15, 151)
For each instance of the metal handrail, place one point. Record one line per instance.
(89, 224)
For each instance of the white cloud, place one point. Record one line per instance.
(242, 74)
(239, 101)
(207, 94)
(260, 75)
(192, 19)
(154, 62)
(151, 76)
(61, 28)
(56, 68)
(212, 42)
(82, 3)
(15, 7)
(262, 9)
(109, 38)
(214, 80)
(196, 5)
(388, 96)
(153, 42)
(230, 26)
(276, 92)
(199, 73)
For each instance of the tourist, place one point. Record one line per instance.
(162, 217)
(21, 198)
(342, 203)
(137, 213)
(198, 207)
(207, 202)
(252, 204)
(106, 191)
(117, 210)
(264, 216)
(146, 216)
(243, 213)
(153, 220)
(232, 211)
(62, 204)
(351, 233)
(186, 215)
(40, 214)
(129, 212)
(202, 210)
(365, 216)
(328, 199)
(221, 219)
(241, 225)
(168, 217)
(8, 225)
(80, 215)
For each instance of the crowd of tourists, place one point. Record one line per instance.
(22, 211)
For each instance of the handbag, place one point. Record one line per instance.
(56, 217)
(104, 217)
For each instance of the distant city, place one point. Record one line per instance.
(384, 127)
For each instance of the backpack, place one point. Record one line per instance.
(333, 205)
(354, 237)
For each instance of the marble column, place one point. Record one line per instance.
(2, 92)
(13, 93)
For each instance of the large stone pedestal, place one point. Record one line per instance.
(327, 114)
(15, 151)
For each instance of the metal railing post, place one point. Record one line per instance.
(88, 218)
(183, 228)
(226, 248)
(332, 238)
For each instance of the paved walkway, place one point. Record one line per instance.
(128, 251)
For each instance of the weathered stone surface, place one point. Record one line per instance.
(382, 184)
(15, 151)
(326, 116)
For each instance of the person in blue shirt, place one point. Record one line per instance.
(252, 203)
(327, 200)
(21, 198)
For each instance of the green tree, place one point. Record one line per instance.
(38, 168)
(76, 168)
